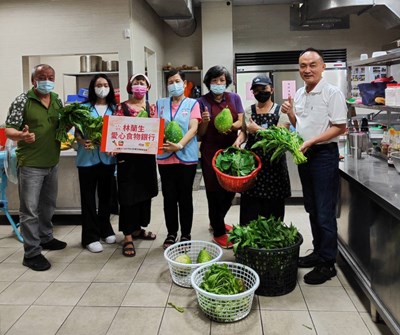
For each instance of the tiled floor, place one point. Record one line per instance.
(106, 293)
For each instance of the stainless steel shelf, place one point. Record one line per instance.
(379, 108)
(389, 59)
(90, 73)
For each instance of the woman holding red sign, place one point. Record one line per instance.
(137, 173)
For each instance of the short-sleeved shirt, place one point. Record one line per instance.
(317, 110)
(27, 109)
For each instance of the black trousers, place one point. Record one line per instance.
(219, 204)
(251, 208)
(177, 188)
(133, 217)
(96, 180)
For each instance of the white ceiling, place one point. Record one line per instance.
(248, 2)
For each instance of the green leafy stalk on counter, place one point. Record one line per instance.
(280, 139)
(263, 233)
(235, 162)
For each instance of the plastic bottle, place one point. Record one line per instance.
(390, 94)
(385, 143)
(389, 160)
(397, 99)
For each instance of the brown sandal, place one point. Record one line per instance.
(144, 235)
(128, 251)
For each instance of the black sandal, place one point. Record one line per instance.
(170, 240)
(185, 238)
(144, 235)
(127, 250)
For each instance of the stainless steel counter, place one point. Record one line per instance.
(69, 199)
(369, 232)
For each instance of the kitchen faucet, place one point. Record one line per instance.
(371, 116)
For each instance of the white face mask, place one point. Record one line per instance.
(102, 91)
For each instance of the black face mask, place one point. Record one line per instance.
(263, 96)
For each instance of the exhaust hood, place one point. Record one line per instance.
(178, 14)
(385, 11)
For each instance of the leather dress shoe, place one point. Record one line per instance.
(309, 261)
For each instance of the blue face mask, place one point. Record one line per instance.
(176, 89)
(45, 86)
(217, 89)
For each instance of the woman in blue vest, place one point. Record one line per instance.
(178, 163)
(96, 171)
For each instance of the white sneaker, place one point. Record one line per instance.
(110, 239)
(95, 247)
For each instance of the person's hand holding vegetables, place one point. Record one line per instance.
(306, 145)
(235, 127)
(87, 144)
(240, 140)
(171, 146)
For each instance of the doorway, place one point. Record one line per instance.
(150, 68)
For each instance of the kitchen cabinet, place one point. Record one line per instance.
(68, 199)
(194, 76)
(368, 219)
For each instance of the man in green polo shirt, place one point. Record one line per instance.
(32, 121)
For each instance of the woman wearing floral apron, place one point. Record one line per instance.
(272, 186)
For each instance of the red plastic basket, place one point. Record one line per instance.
(233, 183)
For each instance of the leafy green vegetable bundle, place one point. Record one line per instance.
(79, 116)
(92, 129)
(264, 234)
(235, 162)
(219, 279)
(281, 140)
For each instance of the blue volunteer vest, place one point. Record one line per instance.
(189, 154)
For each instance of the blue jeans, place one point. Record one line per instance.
(320, 182)
(37, 195)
